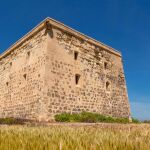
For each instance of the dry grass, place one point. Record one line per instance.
(78, 137)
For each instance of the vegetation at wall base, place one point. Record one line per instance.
(11, 121)
(86, 117)
(134, 120)
(90, 118)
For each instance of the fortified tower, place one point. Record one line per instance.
(55, 69)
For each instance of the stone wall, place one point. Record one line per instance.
(55, 71)
(101, 87)
(22, 79)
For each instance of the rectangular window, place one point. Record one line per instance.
(77, 78)
(28, 55)
(105, 65)
(108, 86)
(10, 63)
(76, 55)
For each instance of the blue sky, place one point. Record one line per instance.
(121, 24)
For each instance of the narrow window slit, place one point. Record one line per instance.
(10, 63)
(76, 55)
(7, 83)
(105, 65)
(25, 76)
(77, 78)
(28, 54)
(107, 86)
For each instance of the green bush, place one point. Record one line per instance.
(134, 120)
(90, 118)
(64, 117)
(11, 121)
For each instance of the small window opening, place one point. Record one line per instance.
(107, 86)
(7, 83)
(28, 54)
(10, 63)
(76, 55)
(105, 65)
(25, 76)
(77, 78)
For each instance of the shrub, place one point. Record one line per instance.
(11, 121)
(90, 117)
(64, 117)
(134, 120)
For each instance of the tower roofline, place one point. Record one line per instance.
(60, 26)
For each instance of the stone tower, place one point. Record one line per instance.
(55, 69)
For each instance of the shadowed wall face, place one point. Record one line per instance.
(55, 71)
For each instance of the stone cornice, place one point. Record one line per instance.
(62, 27)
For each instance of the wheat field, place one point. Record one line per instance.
(69, 137)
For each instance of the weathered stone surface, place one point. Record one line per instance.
(55, 69)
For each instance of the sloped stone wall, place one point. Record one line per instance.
(22, 79)
(101, 86)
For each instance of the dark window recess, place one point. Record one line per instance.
(28, 54)
(7, 83)
(77, 78)
(107, 86)
(76, 55)
(105, 65)
(25, 76)
(10, 63)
